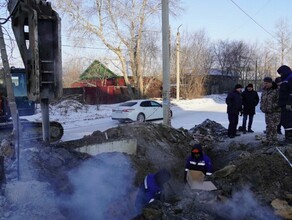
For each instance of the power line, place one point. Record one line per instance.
(84, 47)
(253, 20)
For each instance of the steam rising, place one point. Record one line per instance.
(244, 206)
(101, 189)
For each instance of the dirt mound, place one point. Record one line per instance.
(250, 167)
(209, 131)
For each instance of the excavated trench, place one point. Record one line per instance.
(253, 181)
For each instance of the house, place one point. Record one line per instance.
(100, 85)
(218, 82)
(97, 74)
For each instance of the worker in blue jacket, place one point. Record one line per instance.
(151, 188)
(198, 161)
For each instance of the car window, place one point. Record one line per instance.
(128, 104)
(155, 104)
(145, 104)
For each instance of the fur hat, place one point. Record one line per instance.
(237, 86)
(268, 79)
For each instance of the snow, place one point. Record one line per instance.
(79, 120)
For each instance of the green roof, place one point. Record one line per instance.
(97, 70)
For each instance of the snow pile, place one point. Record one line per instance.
(68, 111)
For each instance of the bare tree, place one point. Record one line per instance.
(195, 63)
(234, 58)
(283, 39)
(71, 72)
(11, 47)
(267, 61)
(119, 25)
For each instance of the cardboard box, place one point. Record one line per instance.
(196, 181)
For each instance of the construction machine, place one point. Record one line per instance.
(25, 107)
(37, 30)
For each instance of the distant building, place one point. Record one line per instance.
(97, 70)
(101, 85)
(219, 82)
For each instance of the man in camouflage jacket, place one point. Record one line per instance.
(269, 106)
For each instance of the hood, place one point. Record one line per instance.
(197, 147)
(162, 176)
(284, 71)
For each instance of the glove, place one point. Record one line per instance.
(288, 107)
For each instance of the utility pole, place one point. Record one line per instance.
(165, 62)
(177, 62)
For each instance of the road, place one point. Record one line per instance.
(79, 131)
(186, 118)
(186, 114)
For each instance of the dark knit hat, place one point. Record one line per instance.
(197, 149)
(268, 79)
(237, 86)
(250, 85)
(284, 69)
(278, 80)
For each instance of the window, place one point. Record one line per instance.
(128, 104)
(155, 104)
(145, 104)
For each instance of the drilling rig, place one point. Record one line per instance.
(37, 30)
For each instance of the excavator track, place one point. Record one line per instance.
(33, 130)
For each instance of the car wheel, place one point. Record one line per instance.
(141, 117)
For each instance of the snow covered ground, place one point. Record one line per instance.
(79, 120)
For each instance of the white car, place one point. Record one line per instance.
(138, 110)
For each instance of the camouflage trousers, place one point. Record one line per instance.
(272, 120)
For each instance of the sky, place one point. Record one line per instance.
(223, 19)
(252, 21)
(248, 20)
(79, 120)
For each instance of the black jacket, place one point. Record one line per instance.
(250, 99)
(285, 91)
(234, 102)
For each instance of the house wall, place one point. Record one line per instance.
(218, 84)
(110, 91)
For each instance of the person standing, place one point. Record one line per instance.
(285, 101)
(250, 99)
(269, 106)
(234, 108)
(279, 81)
